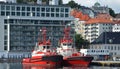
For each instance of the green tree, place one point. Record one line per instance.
(25, 1)
(80, 42)
(20, 1)
(72, 4)
(112, 13)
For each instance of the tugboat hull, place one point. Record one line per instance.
(54, 60)
(83, 61)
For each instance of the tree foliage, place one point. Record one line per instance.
(20, 1)
(72, 4)
(80, 42)
(112, 13)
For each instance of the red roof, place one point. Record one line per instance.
(101, 18)
(98, 20)
(78, 14)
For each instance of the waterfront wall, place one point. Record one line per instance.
(13, 55)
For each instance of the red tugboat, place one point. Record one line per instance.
(70, 55)
(43, 54)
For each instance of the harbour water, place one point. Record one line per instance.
(20, 66)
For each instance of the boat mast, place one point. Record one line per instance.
(67, 32)
(44, 35)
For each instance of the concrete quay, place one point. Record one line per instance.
(105, 63)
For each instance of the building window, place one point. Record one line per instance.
(5, 47)
(2, 13)
(47, 15)
(33, 13)
(2, 7)
(33, 8)
(52, 14)
(23, 13)
(66, 15)
(62, 15)
(57, 14)
(28, 13)
(28, 8)
(18, 8)
(5, 42)
(52, 10)
(7, 13)
(111, 47)
(43, 14)
(118, 47)
(7, 7)
(38, 9)
(43, 9)
(5, 21)
(18, 13)
(66, 9)
(115, 48)
(13, 8)
(38, 14)
(13, 13)
(5, 37)
(5, 27)
(23, 8)
(62, 9)
(47, 9)
(57, 9)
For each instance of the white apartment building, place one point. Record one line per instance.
(20, 25)
(116, 27)
(96, 26)
(92, 31)
(80, 27)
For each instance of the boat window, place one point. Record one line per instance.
(69, 44)
(48, 47)
(43, 47)
(64, 44)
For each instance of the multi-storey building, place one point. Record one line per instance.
(79, 21)
(95, 26)
(20, 25)
(98, 54)
(109, 41)
(116, 26)
(100, 9)
(79, 27)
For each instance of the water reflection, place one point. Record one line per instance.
(75, 68)
(33, 66)
(20, 66)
